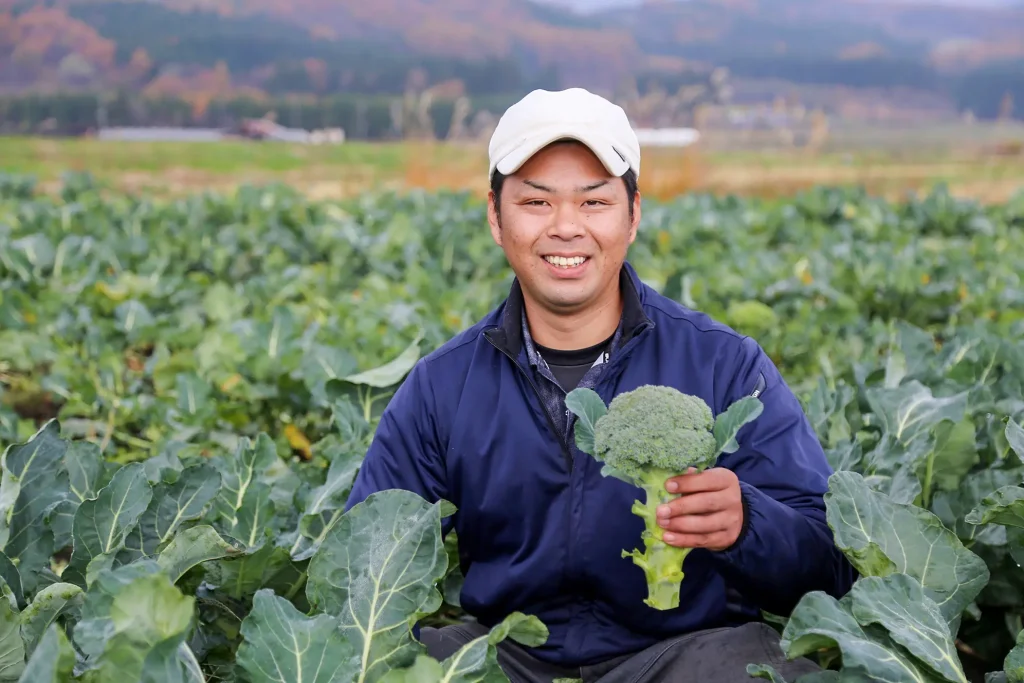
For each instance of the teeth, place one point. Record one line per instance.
(563, 262)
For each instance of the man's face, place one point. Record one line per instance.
(565, 228)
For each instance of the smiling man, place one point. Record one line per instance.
(482, 422)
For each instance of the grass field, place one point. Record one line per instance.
(989, 172)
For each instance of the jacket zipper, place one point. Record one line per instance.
(551, 423)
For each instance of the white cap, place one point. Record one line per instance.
(543, 116)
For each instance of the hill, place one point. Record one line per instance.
(208, 49)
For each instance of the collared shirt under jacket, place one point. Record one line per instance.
(541, 530)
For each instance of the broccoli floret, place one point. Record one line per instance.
(645, 437)
(655, 428)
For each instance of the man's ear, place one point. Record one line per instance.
(493, 218)
(635, 224)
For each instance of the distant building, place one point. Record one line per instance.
(158, 134)
(667, 137)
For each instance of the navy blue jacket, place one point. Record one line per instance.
(541, 530)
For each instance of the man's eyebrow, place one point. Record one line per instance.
(586, 188)
(594, 186)
(542, 188)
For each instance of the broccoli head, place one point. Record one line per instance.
(654, 429)
(645, 437)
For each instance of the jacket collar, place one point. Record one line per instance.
(508, 333)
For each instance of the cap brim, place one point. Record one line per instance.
(599, 145)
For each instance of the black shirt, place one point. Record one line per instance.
(569, 367)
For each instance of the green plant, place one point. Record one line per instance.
(645, 437)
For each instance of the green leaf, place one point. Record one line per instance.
(53, 660)
(84, 463)
(137, 621)
(377, 571)
(241, 575)
(244, 496)
(392, 372)
(102, 524)
(282, 645)
(326, 504)
(768, 672)
(881, 536)
(49, 604)
(12, 648)
(171, 506)
(12, 577)
(899, 604)
(477, 660)
(588, 407)
(36, 470)
(911, 410)
(868, 653)
(955, 454)
(1003, 506)
(1013, 663)
(194, 546)
(729, 423)
(525, 629)
(1015, 437)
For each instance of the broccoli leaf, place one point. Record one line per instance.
(729, 423)
(477, 660)
(588, 407)
(377, 570)
(882, 537)
(53, 660)
(887, 628)
(1003, 506)
(282, 645)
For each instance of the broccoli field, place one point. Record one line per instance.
(187, 388)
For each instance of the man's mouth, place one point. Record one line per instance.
(566, 261)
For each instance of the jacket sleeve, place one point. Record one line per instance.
(406, 451)
(786, 548)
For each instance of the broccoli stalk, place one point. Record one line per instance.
(645, 437)
(662, 563)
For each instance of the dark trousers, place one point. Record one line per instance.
(717, 655)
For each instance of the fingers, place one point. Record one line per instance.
(699, 504)
(700, 524)
(714, 479)
(719, 540)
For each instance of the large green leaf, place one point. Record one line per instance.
(326, 504)
(477, 660)
(194, 546)
(53, 660)
(282, 645)
(102, 524)
(910, 410)
(134, 626)
(50, 603)
(12, 648)
(377, 571)
(886, 628)
(882, 537)
(171, 506)
(244, 501)
(1003, 506)
(33, 480)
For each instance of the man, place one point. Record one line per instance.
(482, 422)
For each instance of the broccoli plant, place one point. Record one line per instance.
(645, 437)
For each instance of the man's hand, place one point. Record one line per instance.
(708, 513)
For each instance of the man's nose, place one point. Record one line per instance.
(567, 221)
